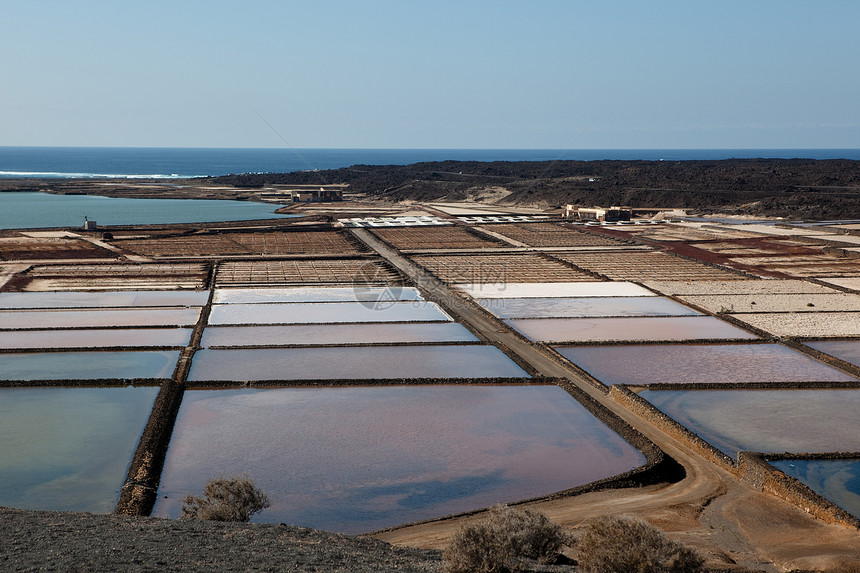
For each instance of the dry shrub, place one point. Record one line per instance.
(234, 498)
(501, 542)
(626, 545)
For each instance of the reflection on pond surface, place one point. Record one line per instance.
(95, 338)
(87, 365)
(102, 299)
(584, 307)
(633, 328)
(836, 480)
(847, 350)
(98, 318)
(796, 421)
(359, 459)
(692, 363)
(68, 449)
(326, 312)
(353, 363)
(310, 335)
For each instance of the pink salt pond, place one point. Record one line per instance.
(699, 364)
(358, 459)
(560, 330)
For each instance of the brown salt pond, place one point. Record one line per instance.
(42, 319)
(794, 421)
(329, 312)
(87, 365)
(353, 363)
(699, 364)
(95, 338)
(68, 449)
(322, 334)
(83, 299)
(581, 307)
(561, 330)
(358, 459)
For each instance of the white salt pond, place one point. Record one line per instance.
(95, 338)
(560, 330)
(32, 366)
(353, 363)
(358, 293)
(42, 319)
(552, 290)
(335, 312)
(359, 459)
(836, 480)
(322, 334)
(68, 449)
(775, 421)
(86, 299)
(584, 307)
(699, 364)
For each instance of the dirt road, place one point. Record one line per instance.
(725, 518)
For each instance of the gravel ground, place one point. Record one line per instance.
(776, 302)
(767, 286)
(808, 324)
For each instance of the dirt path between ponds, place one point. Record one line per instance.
(725, 518)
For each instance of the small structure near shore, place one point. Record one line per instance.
(614, 213)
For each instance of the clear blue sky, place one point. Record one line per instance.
(441, 74)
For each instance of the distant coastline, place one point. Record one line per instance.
(183, 163)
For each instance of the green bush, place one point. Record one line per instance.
(502, 541)
(234, 498)
(626, 545)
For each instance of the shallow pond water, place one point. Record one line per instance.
(356, 293)
(627, 329)
(847, 350)
(87, 365)
(796, 421)
(84, 299)
(354, 460)
(553, 290)
(98, 318)
(353, 363)
(326, 312)
(699, 363)
(584, 307)
(317, 334)
(836, 480)
(95, 338)
(68, 449)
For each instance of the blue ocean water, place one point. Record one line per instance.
(130, 162)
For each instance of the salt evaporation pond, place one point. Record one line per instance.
(86, 299)
(584, 307)
(353, 363)
(95, 338)
(356, 293)
(326, 312)
(836, 480)
(553, 290)
(627, 329)
(795, 421)
(847, 350)
(354, 460)
(699, 364)
(87, 365)
(98, 318)
(68, 449)
(321, 334)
